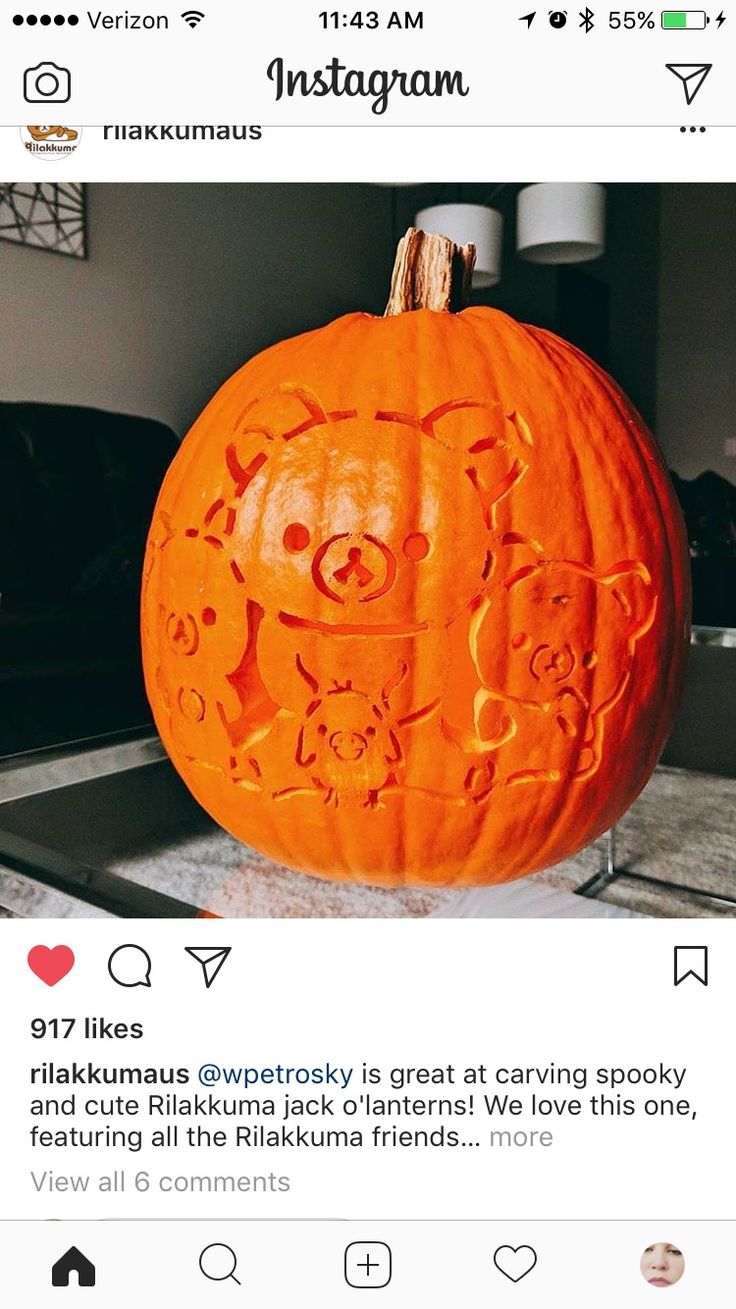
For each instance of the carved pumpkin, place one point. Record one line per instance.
(415, 604)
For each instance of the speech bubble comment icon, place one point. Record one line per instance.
(218, 1263)
(130, 965)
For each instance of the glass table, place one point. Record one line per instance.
(704, 734)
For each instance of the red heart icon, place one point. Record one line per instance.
(51, 965)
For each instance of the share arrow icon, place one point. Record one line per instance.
(692, 77)
(211, 959)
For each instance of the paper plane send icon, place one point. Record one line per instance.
(211, 959)
(692, 77)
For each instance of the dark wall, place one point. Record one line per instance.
(182, 285)
(696, 380)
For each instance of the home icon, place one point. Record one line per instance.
(73, 1262)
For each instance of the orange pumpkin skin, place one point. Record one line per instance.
(416, 601)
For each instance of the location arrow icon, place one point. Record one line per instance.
(528, 18)
(211, 958)
(692, 77)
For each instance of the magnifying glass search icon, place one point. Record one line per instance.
(218, 1263)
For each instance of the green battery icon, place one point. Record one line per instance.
(683, 20)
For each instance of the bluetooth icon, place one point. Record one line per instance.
(586, 19)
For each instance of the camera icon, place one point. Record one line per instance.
(47, 84)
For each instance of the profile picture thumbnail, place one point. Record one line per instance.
(662, 1264)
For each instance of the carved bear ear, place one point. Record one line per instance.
(396, 678)
(499, 463)
(159, 536)
(457, 424)
(461, 423)
(631, 587)
(282, 413)
(497, 443)
(468, 424)
(161, 529)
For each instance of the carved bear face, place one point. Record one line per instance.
(567, 627)
(195, 634)
(372, 525)
(357, 526)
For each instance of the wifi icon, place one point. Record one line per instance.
(192, 17)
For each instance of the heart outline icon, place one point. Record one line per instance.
(514, 1251)
(51, 964)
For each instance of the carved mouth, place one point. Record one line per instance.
(351, 629)
(348, 746)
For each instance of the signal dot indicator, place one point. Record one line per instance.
(31, 20)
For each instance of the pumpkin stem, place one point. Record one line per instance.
(430, 272)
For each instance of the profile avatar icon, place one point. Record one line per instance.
(43, 133)
(662, 1264)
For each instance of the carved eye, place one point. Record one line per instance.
(560, 599)
(208, 617)
(296, 538)
(416, 547)
(370, 731)
(521, 641)
(322, 729)
(590, 659)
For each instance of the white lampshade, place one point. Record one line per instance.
(464, 223)
(561, 222)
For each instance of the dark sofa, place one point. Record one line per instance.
(708, 504)
(77, 491)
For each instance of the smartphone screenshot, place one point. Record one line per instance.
(367, 655)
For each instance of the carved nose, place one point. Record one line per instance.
(354, 570)
(555, 662)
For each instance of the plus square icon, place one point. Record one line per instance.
(368, 1265)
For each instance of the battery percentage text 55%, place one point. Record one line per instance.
(630, 20)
